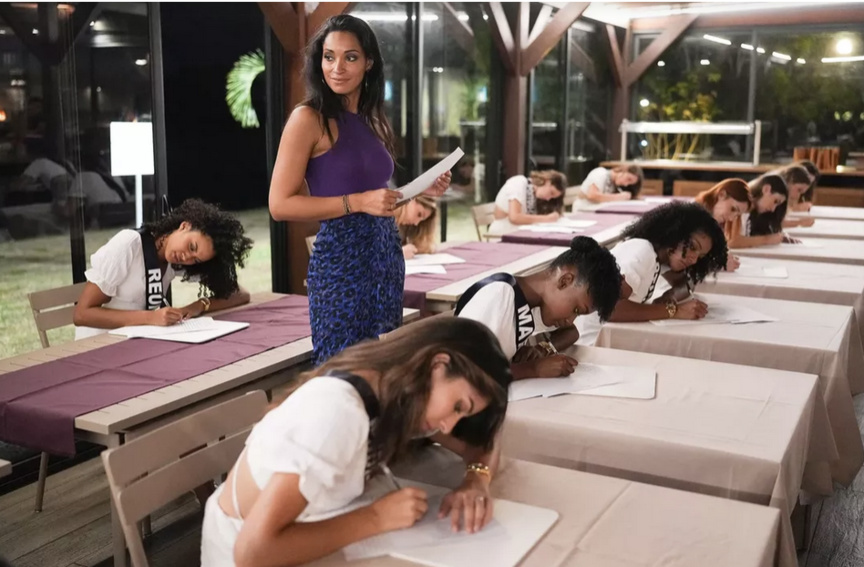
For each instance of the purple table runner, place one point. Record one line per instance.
(39, 404)
(604, 222)
(479, 257)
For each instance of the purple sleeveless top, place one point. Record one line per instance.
(357, 162)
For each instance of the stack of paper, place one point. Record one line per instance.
(515, 529)
(198, 330)
(590, 379)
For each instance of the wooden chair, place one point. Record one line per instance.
(686, 188)
(310, 243)
(571, 194)
(52, 309)
(146, 473)
(483, 216)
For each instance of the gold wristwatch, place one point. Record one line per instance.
(671, 309)
(480, 469)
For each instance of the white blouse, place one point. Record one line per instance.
(494, 305)
(118, 270)
(640, 267)
(515, 189)
(320, 433)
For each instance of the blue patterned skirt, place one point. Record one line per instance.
(355, 282)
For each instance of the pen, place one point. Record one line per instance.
(389, 474)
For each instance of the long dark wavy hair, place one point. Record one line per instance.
(673, 224)
(403, 359)
(768, 223)
(329, 104)
(230, 245)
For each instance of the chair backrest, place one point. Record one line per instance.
(571, 194)
(310, 243)
(146, 473)
(687, 188)
(54, 308)
(483, 216)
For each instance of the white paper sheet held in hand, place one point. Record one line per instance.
(440, 259)
(515, 529)
(426, 179)
(586, 378)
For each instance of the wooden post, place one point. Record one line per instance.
(293, 27)
(521, 52)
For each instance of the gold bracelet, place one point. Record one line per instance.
(205, 302)
(346, 207)
(671, 309)
(479, 468)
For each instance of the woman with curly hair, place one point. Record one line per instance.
(680, 241)
(129, 275)
(416, 221)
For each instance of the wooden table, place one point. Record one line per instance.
(609, 522)
(812, 282)
(112, 425)
(726, 430)
(444, 298)
(835, 213)
(832, 250)
(812, 338)
(829, 228)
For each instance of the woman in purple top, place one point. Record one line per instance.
(340, 143)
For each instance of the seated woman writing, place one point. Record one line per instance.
(129, 276)
(763, 225)
(726, 202)
(680, 242)
(444, 378)
(582, 280)
(621, 183)
(529, 200)
(416, 222)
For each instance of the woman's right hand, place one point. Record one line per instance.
(776, 238)
(625, 196)
(400, 509)
(409, 251)
(552, 217)
(378, 202)
(555, 366)
(165, 317)
(693, 309)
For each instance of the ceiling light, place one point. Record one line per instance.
(704, 62)
(843, 46)
(747, 46)
(782, 56)
(843, 59)
(716, 39)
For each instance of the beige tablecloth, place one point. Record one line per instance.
(834, 213)
(834, 250)
(829, 228)
(814, 282)
(733, 431)
(609, 522)
(813, 338)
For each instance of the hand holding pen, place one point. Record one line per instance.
(401, 508)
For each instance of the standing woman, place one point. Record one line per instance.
(339, 142)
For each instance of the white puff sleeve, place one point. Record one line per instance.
(110, 265)
(319, 433)
(637, 261)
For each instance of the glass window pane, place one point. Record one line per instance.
(457, 54)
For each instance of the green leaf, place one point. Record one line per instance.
(238, 88)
